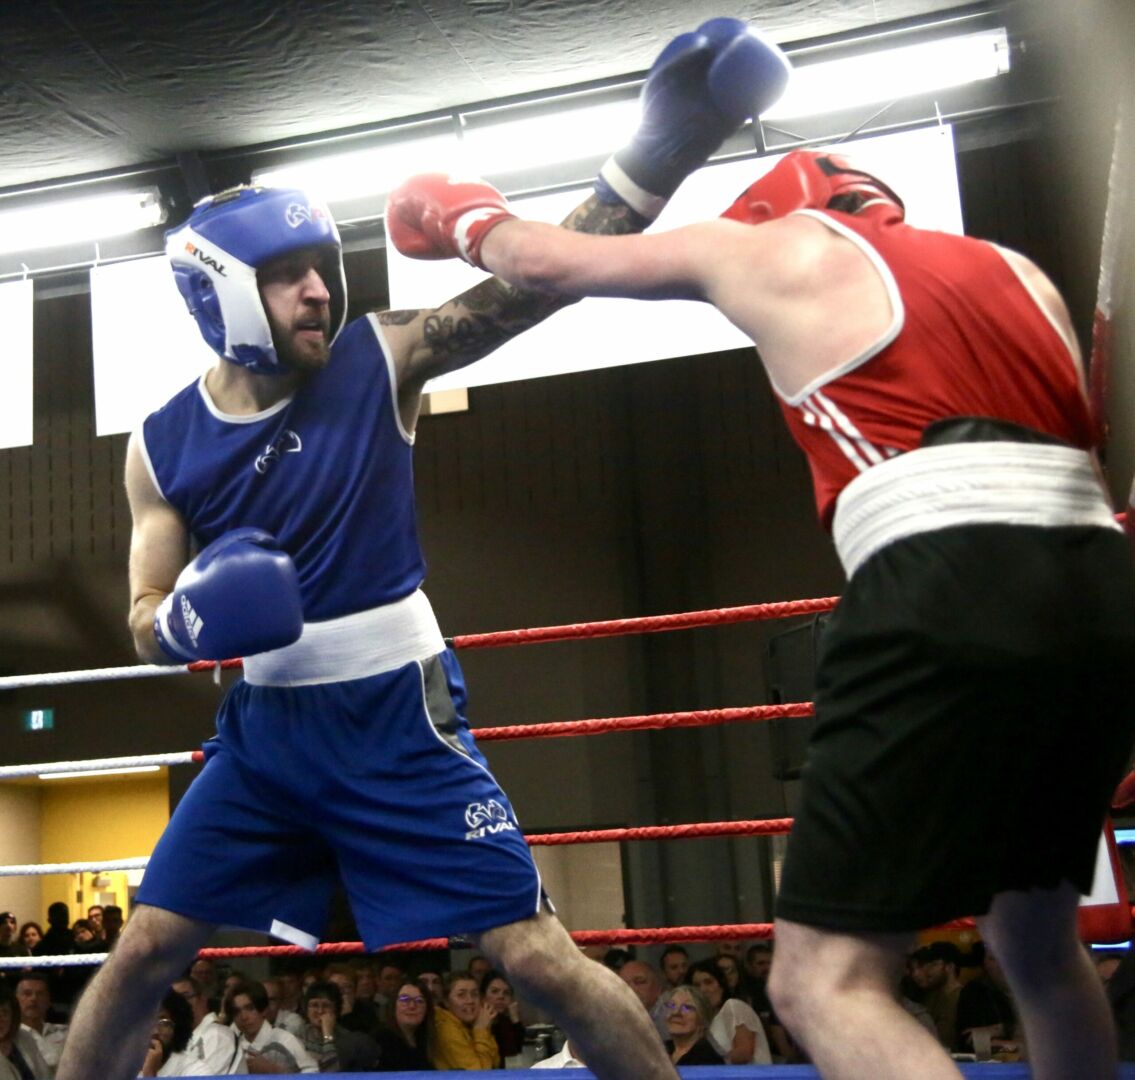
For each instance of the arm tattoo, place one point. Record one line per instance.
(483, 318)
(397, 318)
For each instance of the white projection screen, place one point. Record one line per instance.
(16, 401)
(146, 346)
(602, 332)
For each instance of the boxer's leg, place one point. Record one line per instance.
(598, 1011)
(1068, 1023)
(110, 1029)
(837, 993)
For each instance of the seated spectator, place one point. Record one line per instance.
(729, 948)
(479, 967)
(266, 1049)
(463, 1038)
(291, 989)
(687, 1021)
(278, 1017)
(58, 939)
(389, 977)
(112, 923)
(647, 985)
(203, 971)
(406, 1040)
(934, 969)
(213, 1044)
(33, 996)
(366, 981)
(675, 963)
(432, 981)
(173, 1027)
(94, 917)
(507, 1029)
(10, 945)
(736, 1031)
(734, 978)
(355, 1014)
(19, 1058)
(31, 934)
(986, 1002)
(332, 1045)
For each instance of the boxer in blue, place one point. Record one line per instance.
(343, 753)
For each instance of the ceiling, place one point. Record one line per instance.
(91, 86)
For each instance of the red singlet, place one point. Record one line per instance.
(967, 339)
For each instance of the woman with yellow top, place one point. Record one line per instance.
(462, 1035)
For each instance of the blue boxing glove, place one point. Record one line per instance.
(702, 87)
(240, 596)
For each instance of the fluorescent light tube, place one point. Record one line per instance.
(78, 220)
(889, 74)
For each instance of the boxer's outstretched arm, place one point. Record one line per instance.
(159, 548)
(431, 341)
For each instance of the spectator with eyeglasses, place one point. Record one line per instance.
(172, 1030)
(212, 1043)
(406, 1040)
(463, 1037)
(687, 1021)
(332, 1045)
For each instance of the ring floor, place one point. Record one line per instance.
(987, 1071)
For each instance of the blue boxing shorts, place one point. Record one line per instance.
(375, 782)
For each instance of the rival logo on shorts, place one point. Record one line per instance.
(208, 260)
(486, 819)
(193, 621)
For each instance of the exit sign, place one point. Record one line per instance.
(39, 720)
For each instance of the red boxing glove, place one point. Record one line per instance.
(431, 216)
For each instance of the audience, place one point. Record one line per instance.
(432, 981)
(332, 1045)
(33, 998)
(112, 923)
(647, 985)
(687, 1023)
(172, 1030)
(19, 1058)
(675, 962)
(10, 945)
(31, 934)
(213, 1045)
(985, 1002)
(356, 1014)
(934, 969)
(463, 1038)
(58, 940)
(736, 1031)
(406, 1039)
(266, 1049)
(507, 1029)
(94, 917)
(280, 1017)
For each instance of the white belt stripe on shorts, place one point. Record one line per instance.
(936, 487)
(353, 646)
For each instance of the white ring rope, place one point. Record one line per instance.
(8, 963)
(103, 674)
(11, 772)
(140, 862)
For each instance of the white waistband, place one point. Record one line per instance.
(352, 647)
(962, 484)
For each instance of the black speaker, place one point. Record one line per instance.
(790, 673)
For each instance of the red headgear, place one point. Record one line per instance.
(807, 180)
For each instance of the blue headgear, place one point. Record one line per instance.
(217, 251)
